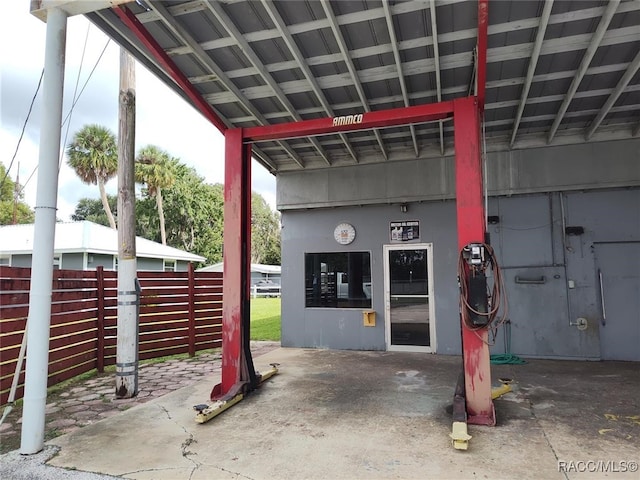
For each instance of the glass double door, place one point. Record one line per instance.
(409, 309)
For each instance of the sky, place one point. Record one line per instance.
(162, 117)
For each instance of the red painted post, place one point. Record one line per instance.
(100, 319)
(232, 277)
(471, 229)
(249, 373)
(192, 310)
(481, 76)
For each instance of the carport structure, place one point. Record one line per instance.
(318, 85)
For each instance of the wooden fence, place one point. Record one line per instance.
(180, 312)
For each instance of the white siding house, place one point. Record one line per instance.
(86, 245)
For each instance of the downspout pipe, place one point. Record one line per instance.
(39, 318)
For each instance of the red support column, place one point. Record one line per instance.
(248, 371)
(481, 72)
(232, 250)
(237, 368)
(471, 229)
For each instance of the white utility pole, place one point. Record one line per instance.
(39, 319)
(128, 295)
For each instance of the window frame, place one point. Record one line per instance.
(338, 302)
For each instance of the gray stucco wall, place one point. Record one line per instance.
(558, 168)
(312, 231)
(529, 243)
(535, 192)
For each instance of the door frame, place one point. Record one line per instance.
(387, 300)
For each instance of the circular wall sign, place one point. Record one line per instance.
(344, 234)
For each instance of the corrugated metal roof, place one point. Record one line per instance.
(87, 237)
(270, 62)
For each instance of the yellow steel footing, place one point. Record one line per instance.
(217, 408)
(459, 436)
(211, 411)
(499, 391)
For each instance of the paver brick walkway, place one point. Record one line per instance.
(94, 399)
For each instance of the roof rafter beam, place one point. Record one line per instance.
(533, 62)
(622, 84)
(456, 60)
(436, 59)
(470, 33)
(207, 62)
(216, 9)
(277, 20)
(584, 65)
(132, 23)
(419, 96)
(396, 55)
(259, 154)
(335, 28)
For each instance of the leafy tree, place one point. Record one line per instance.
(93, 154)
(265, 232)
(24, 214)
(155, 169)
(193, 215)
(91, 209)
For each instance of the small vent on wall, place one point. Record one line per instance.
(493, 219)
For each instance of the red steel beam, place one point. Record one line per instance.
(347, 123)
(481, 77)
(232, 287)
(130, 20)
(471, 229)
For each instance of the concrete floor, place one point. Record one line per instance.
(374, 415)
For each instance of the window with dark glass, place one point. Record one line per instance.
(338, 279)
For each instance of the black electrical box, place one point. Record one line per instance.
(478, 300)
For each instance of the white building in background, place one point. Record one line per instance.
(259, 273)
(86, 245)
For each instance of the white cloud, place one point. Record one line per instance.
(162, 118)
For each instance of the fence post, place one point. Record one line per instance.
(100, 316)
(192, 311)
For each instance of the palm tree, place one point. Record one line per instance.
(93, 154)
(156, 169)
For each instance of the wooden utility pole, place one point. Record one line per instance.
(128, 291)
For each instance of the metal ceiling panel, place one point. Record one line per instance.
(274, 61)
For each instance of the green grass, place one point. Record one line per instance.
(265, 319)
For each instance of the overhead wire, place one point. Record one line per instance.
(75, 91)
(24, 127)
(68, 116)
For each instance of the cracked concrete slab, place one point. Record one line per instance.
(368, 415)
